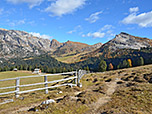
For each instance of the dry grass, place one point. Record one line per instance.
(127, 91)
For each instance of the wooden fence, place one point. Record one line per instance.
(77, 75)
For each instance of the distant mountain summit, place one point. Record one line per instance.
(125, 40)
(70, 47)
(55, 44)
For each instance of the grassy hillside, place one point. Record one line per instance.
(23, 81)
(13, 74)
(126, 91)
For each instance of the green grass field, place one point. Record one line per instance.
(13, 74)
(24, 81)
(31, 97)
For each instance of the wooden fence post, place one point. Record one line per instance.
(46, 84)
(75, 80)
(80, 74)
(17, 87)
(78, 77)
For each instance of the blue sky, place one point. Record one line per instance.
(87, 21)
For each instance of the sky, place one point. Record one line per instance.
(86, 21)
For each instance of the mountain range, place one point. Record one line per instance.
(14, 43)
(20, 44)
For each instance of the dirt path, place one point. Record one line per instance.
(111, 87)
(106, 98)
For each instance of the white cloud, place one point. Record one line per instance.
(16, 22)
(134, 9)
(106, 27)
(110, 34)
(106, 31)
(62, 7)
(31, 3)
(93, 17)
(20, 22)
(40, 36)
(143, 19)
(94, 35)
(77, 28)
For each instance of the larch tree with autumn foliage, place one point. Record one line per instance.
(130, 62)
(110, 66)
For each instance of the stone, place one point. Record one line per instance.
(48, 101)
(80, 85)
(60, 92)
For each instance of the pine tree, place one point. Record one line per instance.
(25, 67)
(29, 68)
(21, 67)
(54, 70)
(87, 68)
(118, 66)
(141, 61)
(125, 64)
(102, 66)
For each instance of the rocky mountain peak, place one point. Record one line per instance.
(125, 40)
(3, 29)
(14, 43)
(55, 44)
(98, 45)
(124, 33)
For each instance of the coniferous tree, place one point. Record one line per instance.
(54, 70)
(125, 64)
(87, 68)
(141, 61)
(102, 66)
(21, 67)
(29, 68)
(25, 66)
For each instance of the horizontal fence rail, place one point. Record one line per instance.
(77, 76)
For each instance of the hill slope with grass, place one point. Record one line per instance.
(126, 91)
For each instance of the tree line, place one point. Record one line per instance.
(126, 63)
(47, 64)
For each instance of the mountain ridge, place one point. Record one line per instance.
(15, 43)
(121, 41)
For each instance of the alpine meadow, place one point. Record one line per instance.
(75, 57)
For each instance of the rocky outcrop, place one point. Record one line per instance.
(55, 44)
(15, 43)
(126, 41)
